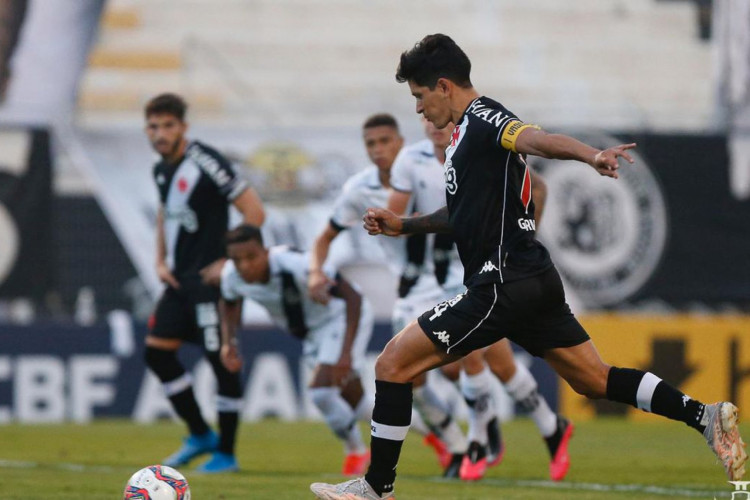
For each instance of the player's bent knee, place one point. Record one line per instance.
(389, 368)
(592, 387)
(451, 371)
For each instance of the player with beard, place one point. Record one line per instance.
(196, 186)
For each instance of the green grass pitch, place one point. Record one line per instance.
(611, 459)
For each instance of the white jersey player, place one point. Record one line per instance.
(366, 189)
(334, 335)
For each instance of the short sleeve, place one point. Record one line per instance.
(229, 281)
(402, 172)
(509, 133)
(346, 212)
(229, 183)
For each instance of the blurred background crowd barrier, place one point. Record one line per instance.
(655, 264)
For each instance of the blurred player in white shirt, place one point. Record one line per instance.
(334, 335)
(367, 188)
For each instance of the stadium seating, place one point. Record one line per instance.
(596, 63)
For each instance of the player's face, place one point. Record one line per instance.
(251, 261)
(165, 132)
(433, 104)
(440, 137)
(383, 144)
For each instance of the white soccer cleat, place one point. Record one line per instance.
(724, 439)
(356, 489)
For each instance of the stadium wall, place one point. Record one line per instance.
(54, 373)
(705, 356)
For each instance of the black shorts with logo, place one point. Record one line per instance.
(189, 313)
(531, 312)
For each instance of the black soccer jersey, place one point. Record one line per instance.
(488, 188)
(195, 196)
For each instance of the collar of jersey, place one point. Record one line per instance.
(273, 258)
(469, 107)
(374, 180)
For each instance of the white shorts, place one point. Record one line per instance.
(322, 346)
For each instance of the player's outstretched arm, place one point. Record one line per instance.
(537, 142)
(382, 221)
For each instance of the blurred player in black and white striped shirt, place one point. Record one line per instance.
(196, 187)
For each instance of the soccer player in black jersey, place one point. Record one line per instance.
(512, 285)
(196, 185)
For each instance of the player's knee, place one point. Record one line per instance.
(387, 367)
(504, 371)
(163, 363)
(451, 371)
(593, 385)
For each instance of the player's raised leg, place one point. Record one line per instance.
(588, 375)
(408, 354)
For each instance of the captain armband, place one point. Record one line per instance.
(510, 134)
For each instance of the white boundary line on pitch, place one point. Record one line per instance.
(19, 464)
(609, 488)
(526, 483)
(697, 492)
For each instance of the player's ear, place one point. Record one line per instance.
(443, 86)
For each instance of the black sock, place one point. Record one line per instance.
(228, 402)
(186, 406)
(178, 387)
(391, 418)
(228, 421)
(648, 392)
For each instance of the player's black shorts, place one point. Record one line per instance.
(189, 313)
(531, 312)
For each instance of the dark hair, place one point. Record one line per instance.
(168, 103)
(435, 56)
(380, 120)
(243, 233)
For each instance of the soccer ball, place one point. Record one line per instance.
(157, 482)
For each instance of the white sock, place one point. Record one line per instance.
(523, 389)
(417, 424)
(476, 389)
(436, 415)
(364, 407)
(339, 416)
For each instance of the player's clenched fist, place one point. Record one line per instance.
(382, 221)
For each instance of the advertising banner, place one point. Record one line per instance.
(706, 357)
(55, 373)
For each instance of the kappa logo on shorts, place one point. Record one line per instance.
(443, 336)
(487, 267)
